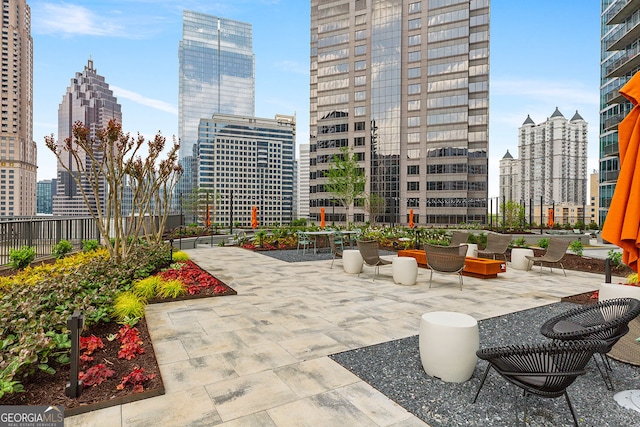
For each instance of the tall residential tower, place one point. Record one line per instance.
(405, 84)
(620, 45)
(89, 100)
(17, 148)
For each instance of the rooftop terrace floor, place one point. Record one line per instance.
(260, 358)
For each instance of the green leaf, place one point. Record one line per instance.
(46, 368)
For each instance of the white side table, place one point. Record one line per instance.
(519, 260)
(352, 261)
(448, 345)
(472, 250)
(405, 270)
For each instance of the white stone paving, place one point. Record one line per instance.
(259, 358)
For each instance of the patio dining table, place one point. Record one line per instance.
(315, 234)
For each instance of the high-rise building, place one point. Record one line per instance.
(247, 162)
(216, 73)
(45, 191)
(18, 153)
(405, 84)
(620, 44)
(303, 181)
(593, 195)
(509, 177)
(553, 160)
(89, 100)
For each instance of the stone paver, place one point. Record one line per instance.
(259, 357)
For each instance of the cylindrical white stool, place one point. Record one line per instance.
(472, 250)
(448, 345)
(352, 261)
(405, 270)
(519, 260)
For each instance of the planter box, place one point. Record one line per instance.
(614, 290)
(481, 268)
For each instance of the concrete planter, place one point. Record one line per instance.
(614, 290)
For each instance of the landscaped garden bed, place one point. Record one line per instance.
(117, 361)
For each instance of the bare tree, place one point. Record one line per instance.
(103, 166)
(375, 206)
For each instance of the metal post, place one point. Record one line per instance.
(553, 213)
(541, 217)
(491, 213)
(530, 212)
(607, 270)
(230, 211)
(75, 323)
(504, 212)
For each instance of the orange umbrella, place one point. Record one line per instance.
(622, 225)
(254, 216)
(411, 223)
(550, 221)
(321, 217)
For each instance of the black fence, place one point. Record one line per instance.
(44, 233)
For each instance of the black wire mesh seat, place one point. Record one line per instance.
(607, 321)
(335, 252)
(545, 369)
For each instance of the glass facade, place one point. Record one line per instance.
(620, 45)
(216, 73)
(418, 85)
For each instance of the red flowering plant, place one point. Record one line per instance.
(130, 343)
(137, 378)
(194, 278)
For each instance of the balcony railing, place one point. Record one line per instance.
(43, 234)
(619, 12)
(610, 176)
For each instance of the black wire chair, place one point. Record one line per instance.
(545, 370)
(607, 321)
(335, 252)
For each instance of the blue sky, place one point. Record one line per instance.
(543, 54)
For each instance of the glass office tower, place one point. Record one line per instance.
(620, 45)
(216, 73)
(405, 84)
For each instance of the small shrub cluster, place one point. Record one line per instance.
(22, 258)
(576, 247)
(615, 257)
(61, 249)
(543, 243)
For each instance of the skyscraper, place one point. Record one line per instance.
(247, 162)
(18, 154)
(89, 100)
(619, 61)
(404, 83)
(303, 181)
(45, 191)
(216, 73)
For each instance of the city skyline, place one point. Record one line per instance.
(539, 60)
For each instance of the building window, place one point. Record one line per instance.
(360, 34)
(415, 24)
(413, 186)
(414, 72)
(361, 50)
(415, 40)
(413, 105)
(415, 56)
(360, 80)
(413, 121)
(415, 7)
(413, 170)
(359, 125)
(413, 89)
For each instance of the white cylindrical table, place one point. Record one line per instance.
(519, 260)
(405, 270)
(352, 261)
(448, 345)
(472, 250)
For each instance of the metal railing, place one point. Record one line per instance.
(44, 233)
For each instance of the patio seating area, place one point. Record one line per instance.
(262, 357)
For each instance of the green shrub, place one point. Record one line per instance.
(632, 279)
(180, 256)
(21, 258)
(615, 257)
(576, 247)
(127, 306)
(90, 245)
(147, 287)
(170, 288)
(61, 249)
(543, 243)
(520, 242)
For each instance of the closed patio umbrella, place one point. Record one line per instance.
(254, 216)
(411, 223)
(322, 218)
(622, 225)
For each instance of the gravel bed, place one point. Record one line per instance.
(395, 369)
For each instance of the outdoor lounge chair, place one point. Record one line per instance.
(555, 252)
(459, 237)
(607, 321)
(545, 369)
(497, 244)
(370, 255)
(335, 252)
(446, 259)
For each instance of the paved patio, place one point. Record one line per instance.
(260, 358)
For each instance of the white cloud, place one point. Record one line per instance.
(568, 92)
(293, 66)
(71, 19)
(143, 100)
